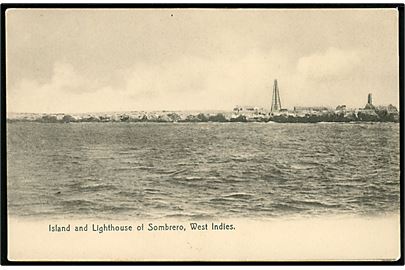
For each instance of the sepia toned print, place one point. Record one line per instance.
(203, 134)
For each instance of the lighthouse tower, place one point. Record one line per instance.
(369, 105)
(370, 99)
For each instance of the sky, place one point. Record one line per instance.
(98, 60)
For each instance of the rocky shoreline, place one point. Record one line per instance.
(221, 117)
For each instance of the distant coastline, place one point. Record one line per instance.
(296, 116)
(300, 114)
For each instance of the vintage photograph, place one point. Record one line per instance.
(203, 134)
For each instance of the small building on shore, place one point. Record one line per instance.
(311, 110)
(341, 108)
(247, 109)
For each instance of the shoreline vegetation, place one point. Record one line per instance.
(254, 115)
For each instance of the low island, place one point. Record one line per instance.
(299, 114)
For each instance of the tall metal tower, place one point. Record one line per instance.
(275, 103)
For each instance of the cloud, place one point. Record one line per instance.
(185, 83)
(66, 78)
(198, 60)
(191, 82)
(67, 91)
(332, 63)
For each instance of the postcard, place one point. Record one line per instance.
(203, 134)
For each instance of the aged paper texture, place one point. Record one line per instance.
(203, 134)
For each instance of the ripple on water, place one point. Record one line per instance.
(202, 170)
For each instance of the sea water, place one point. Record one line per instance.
(201, 170)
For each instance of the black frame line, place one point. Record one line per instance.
(3, 160)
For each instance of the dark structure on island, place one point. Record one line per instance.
(276, 102)
(369, 105)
